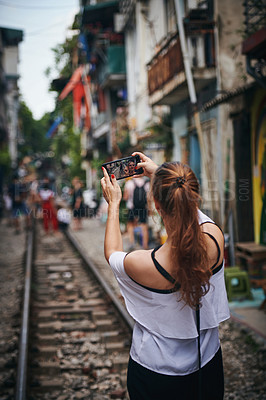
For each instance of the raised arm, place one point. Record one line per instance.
(112, 194)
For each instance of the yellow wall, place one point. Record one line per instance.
(258, 126)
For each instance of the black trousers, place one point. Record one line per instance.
(144, 384)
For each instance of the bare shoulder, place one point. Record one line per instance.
(137, 262)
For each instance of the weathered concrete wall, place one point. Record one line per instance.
(230, 26)
(231, 74)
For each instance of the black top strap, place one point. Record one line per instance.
(217, 269)
(217, 245)
(160, 269)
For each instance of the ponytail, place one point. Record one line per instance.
(176, 189)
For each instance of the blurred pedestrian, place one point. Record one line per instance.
(34, 197)
(18, 193)
(102, 210)
(7, 206)
(63, 217)
(131, 223)
(49, 212)
(77, 203)
(140, 208)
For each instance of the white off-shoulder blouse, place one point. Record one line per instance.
(165, 332)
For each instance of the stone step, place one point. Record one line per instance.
(59, 268)
(99, 314)
(120, 362)
(111, 336)
(104, 324)
(46, 351)
(42, 291)
(53, 305)
(48, 339)
(93, 302)
(60, 326)
(42, 367)
(46, 384)
(116, 346)
(67, 315)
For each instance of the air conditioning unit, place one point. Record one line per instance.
(119, 22)
(193, 4)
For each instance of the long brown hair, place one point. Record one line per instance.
(176, 189)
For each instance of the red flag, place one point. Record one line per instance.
(80, 91)
(78, 94)
(75, 78)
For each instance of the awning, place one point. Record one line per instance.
(101, 12)
(228, 95)
(12, 36)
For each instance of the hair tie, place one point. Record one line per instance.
(180, 180)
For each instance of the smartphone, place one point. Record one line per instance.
(123, 167)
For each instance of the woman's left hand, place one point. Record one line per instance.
(111, 190)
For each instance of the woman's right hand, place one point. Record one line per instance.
(111, 190)
(147, 164)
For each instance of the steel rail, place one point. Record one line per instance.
(23, 345)
(122, 311)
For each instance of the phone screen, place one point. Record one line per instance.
(123, 167)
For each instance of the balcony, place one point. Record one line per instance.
(166, 74)
(99, 13)
(254, 46)
(113, 71)
(100, 126)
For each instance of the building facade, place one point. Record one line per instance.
(184, 80)
(9, 59)
(209, 73)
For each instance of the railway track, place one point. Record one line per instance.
(78, 340)
(12, 262)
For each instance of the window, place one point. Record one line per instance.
(171, 23)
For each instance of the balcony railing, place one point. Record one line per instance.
(254, 46)
(99, 119)
(115, 64)
(168, 62)
(255, 16)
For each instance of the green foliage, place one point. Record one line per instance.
(254, 346)
(32, 132)
(161, 133)
(96, 164)
(66, 142)
(76, 23)
(5, 161)
(63, 55)
(124, 145)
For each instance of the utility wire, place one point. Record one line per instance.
(8, 4)
(38, 31)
